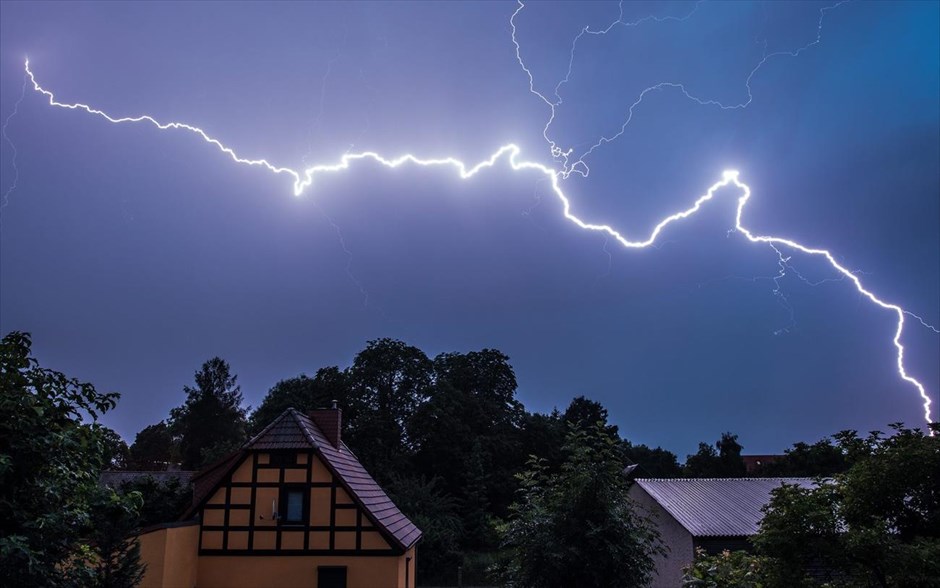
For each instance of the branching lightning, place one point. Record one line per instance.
(16, 172)
(579, 166)
(511, 154)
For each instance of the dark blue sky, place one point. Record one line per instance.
(134, 254)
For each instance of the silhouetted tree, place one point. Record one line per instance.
(822, 458)
(304, 394)
(578, 527)
(116, 452)
(584, 413)
(388, 381)
(435, 512)
(878, 523)
(543, 436)
(726, 462)
(468, 433)
(52, 451)
(212, 421)
(162, 501)
(658, 462)
(115, 558)
(154, 449)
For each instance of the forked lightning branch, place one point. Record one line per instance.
(303, 179)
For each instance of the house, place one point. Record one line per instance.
(292, 507)
(712, 513)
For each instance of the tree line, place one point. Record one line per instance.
(445, 436)
(505, 494)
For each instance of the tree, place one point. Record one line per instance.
(658, 462)
(468, 433)
(117, 454)
(584, 413)
(724, 463)
(822, 458)
(728, 569)
(543, 436)
(52, 450)
(435, 512)
(114, 561)
(388, 381)
(154, 449)
(304, 394)
(212, 421)
(878, 523)
(161, 502)
(578, 527)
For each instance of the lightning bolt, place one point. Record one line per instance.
(304, 179)
(16, 172)
(579, 166)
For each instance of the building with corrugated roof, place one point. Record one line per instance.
(292, 507)
(709, 513)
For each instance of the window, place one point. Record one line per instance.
(293, 505)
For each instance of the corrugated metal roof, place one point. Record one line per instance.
(717, 507)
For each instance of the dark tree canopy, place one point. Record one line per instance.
(876, 524)
(655, 462)
(57, 526)
(467, 433)
(212, 421)
(117, 454)
(436, 513)
(726, 462)
(578, 527)
(304, 394)
(583, 413)
(822, 458)
(154, 449)
(543, 436)
(388, 381)
(162, 501)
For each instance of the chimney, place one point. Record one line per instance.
(330, 421)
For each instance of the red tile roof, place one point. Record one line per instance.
(294, 430)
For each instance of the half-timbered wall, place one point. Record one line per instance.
(245, 514)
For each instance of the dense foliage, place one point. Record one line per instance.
(726, 462)
(878, 523)
(728, 569)
(57, 526)
(212, 421)
(875, 524)
(577, 527)
(446, 437)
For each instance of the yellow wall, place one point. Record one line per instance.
(171, 556)
(175, 562)
(300, 571)
(267, 498)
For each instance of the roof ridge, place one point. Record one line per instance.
(267, 428)
(303, 428)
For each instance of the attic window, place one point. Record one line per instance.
(284, 459)
(293, 505)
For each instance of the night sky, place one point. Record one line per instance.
(133, 255)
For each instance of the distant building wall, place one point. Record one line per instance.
(171, 555)
(675, 537)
